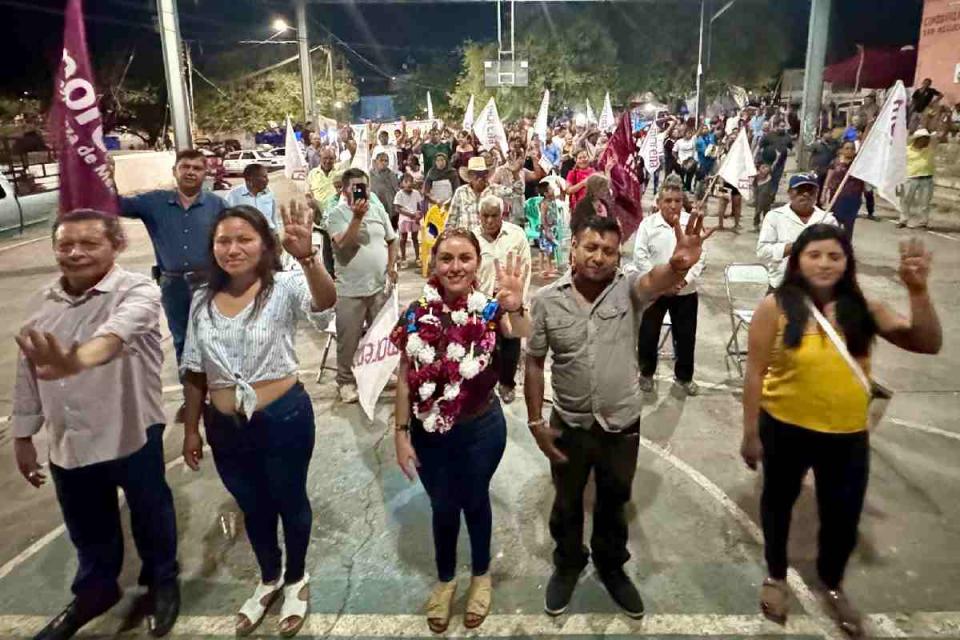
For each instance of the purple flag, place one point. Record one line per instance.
(76, 125)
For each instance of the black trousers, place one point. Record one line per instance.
(613, 459)
(683, 316)
(509, 361)
(91, 513)
(841, 466)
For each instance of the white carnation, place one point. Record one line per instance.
(414, 344)
(430, 421)
(456, 351)
(459, 317)
(431, 294)
(476, 301)
(426, 354)
(427, 389)
(469, 368)
(451, 391)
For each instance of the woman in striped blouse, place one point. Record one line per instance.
(260, 424)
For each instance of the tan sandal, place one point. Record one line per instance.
(775, 600)
(439, 604)
(478, 601)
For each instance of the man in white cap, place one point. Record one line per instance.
(918, 191)
(783, 225)
(465, 205)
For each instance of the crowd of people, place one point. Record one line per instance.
(236, 276)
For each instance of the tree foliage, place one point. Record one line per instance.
(256, 103)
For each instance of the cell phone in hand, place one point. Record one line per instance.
(359, 192)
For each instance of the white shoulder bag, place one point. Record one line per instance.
(880, 395)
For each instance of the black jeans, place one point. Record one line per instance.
(683, 317)
(509, 361)
(263, 463)
(91, 512)
(456, 468)
(613, 459)
(841, 466)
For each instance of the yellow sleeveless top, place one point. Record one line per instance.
(813, 387)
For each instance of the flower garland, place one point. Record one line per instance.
(441, 360)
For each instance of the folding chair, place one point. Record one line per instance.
(331, 333)
(746, 285)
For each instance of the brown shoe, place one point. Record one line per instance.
(775, 600)
(846, 615)
(438, 606)
(478, 601)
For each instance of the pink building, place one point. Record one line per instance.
(938, 55)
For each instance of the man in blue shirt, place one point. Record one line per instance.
(256, 193)
(179, 222)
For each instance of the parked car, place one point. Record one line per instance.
(235, 162)
(26, 209)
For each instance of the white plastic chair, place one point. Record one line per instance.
(746, 286)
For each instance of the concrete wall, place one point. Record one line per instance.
(938, 55)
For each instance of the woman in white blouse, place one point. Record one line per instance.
(260, 424)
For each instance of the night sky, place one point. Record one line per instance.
(387, 35)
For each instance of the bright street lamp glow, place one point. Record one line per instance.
(280, 25)
(338, 104)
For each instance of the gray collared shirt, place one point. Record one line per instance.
(595, 369)
(103, 413)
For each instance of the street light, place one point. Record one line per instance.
(280, 25)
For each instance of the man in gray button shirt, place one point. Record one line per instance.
(589, 320)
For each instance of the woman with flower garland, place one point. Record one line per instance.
(449, 422)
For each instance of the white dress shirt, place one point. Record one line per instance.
(512, 239)
(655, 242)
(782, 226)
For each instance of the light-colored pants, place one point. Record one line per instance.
(354, 315)
(917, 194)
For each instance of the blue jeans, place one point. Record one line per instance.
(263, 462)
(91, 513)
(456, 468)
(176, 295)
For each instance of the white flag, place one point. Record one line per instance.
(468, 115)
(737, 167)
(489, 129)
(429, 107)
(540, 125)
(882, 159)
(606, 122)
(294, 165)
(376, 357)
(649, 149)
(591, 118)
(361, 135)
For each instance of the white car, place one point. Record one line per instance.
(18, 212)
(235, 162)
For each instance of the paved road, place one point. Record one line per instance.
(693, 520)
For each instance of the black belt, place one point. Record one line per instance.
(187, 275)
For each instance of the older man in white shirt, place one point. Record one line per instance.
(655, 241)
(499, 239)
(783, 225)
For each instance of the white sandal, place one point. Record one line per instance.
(295, 604)
(251, 613)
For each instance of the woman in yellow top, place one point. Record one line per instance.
(804, 408)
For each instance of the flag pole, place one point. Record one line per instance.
(839, 190)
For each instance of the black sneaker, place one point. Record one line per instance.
(76, 615)
(560, 590)
(166, 609)
(624, 593)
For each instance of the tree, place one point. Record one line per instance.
(258, 102)
(437, 77)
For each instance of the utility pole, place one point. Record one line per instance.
(700, 88)
(813, 76)
(176, 90)
(306, 73)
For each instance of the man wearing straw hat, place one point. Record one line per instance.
(465, 205)
(918, 190)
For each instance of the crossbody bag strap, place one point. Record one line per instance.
(841, 347)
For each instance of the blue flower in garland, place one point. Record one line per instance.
(490, 310)
(411, 321)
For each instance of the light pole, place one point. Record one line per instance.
(176, 90)
(813, 76)
(701, 83)
(306, 71)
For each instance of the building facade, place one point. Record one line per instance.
(938, 54)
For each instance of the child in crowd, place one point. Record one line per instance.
(414, 171)
(764, 192)
(407, 203)
(548, 241)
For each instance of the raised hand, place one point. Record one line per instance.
(689, 243)
(915, 263)
(510, 281)
(49, 359)
(297, 229)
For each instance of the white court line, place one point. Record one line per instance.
(936, 624)
(22, 244)
(935, 233)
(926, 428)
